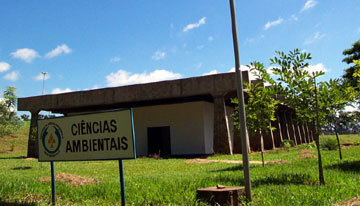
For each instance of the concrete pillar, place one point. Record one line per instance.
(222, 138)
(293, 129)
(286, 126)
(279, 128)
(301, 140)
(304, 133)
(33, 148)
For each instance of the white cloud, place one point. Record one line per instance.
(294, 18)
(317, 67)
(12, 76)
(308, 5)
(40, 77)
(270, 24)
(210, 38)
(25, 54)
(4, 66)
(210, 72)
(195, 25)
(58, 90)
(122, 77)
(158, 55)
(61, 49)
(316, 36)
(115, 59)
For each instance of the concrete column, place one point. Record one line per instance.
(293, 129)
(299, 132)
(33, 148)
(222, 138)
(286, 126)
(279, 127)
(304, 133)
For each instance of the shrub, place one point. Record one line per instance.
(329, 144)
(287, 144)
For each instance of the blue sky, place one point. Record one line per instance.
(95, 44)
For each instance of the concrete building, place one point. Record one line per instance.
(189, 116)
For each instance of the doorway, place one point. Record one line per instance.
(159, 141)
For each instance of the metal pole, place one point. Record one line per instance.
(43, 89)
(242, 117)
(53, 193)
(122, 182)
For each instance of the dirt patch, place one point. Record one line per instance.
(71, 179)
(205, 161)
(31, 198)
(30, 158)
(348, 147)
(306, 154)
(352, 202)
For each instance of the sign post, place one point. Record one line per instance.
(97, 136)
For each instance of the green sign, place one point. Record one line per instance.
(97, 136)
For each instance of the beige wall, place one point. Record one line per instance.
(191, 126)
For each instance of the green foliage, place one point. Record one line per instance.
(295, 83)
(9, 122)
(261, 104)
(329, 144)
(287, 143)
(352, 54)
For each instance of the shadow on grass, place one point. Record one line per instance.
(281, 179)
(10, 158)
(16, 204)
(346, 166)
(230, 169)
(21, 168)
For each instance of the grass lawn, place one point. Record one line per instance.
(174, 181)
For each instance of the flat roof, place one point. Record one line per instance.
(192, 88)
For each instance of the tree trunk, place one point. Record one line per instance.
(317, 128)
(321, 173)
(262, 148)
(338, 141)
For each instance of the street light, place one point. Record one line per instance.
(43, 73)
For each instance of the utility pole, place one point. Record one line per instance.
(43, 88)
(242, 116)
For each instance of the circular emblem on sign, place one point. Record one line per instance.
(51, 136)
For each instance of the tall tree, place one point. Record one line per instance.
(352, 54)
(298, 87)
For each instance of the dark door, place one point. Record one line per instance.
(159, 141)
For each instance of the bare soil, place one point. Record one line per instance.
(306, 154)
(352, 202)
(71, 179)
